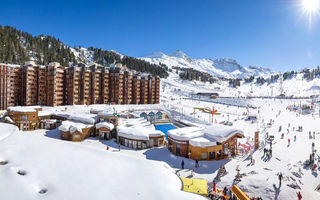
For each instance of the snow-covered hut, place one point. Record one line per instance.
(209, 143)
(139, 134)
(24, 117)
(75, 131)
(103, 130)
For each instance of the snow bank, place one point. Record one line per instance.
(7, 130)
(76, 171)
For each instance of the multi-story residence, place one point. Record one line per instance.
(116, 85)
(29, 84)
(42, 86)
(105, 86)
(96, 84)
(151, 89)
(157, 90)
(127, 87)
(9, 85)
(73, 88)
(144, 89)
(136, 82)
(55, 85)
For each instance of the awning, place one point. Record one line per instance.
(198, 186)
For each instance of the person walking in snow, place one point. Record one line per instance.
(182, 164)
(314, 135)
(280, 178)
(309, 134)
(299, 195)
(225, 190)
(197, 163)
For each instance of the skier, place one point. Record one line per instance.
(251, 159)
(182, 164)
(288, 141)
(280, 178)
(214, 186)
(295, 138)
(299, 195)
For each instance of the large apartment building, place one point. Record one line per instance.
(55, 85)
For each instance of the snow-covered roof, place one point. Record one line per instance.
(202, 141)
(107, 125)
(138, 129)
(73, 126)
(204, 137)
(23, 108)
(185, 133)
(221, 133)
(105, 114)
(9, 119)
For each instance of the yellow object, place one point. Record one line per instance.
(238, 193)
(198, 186)
(207, 110)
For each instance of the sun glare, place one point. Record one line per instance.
(311, 5)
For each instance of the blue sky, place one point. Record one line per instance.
(270, 33)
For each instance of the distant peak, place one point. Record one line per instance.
(156, 55)
(178, 54)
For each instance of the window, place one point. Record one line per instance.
(178, 149)
(204, 156)
(76, 136)
(212, 155)
(225, 149)
(139, 144)
(24, 117)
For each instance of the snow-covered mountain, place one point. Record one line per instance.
(222, 67)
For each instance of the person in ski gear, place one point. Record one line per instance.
(197, 163)
(280, 178)
(182, 164)
(299, 195)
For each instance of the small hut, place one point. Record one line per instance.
(103, 130)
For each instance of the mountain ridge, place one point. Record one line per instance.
(220, 67)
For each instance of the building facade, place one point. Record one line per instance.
(55, 85)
